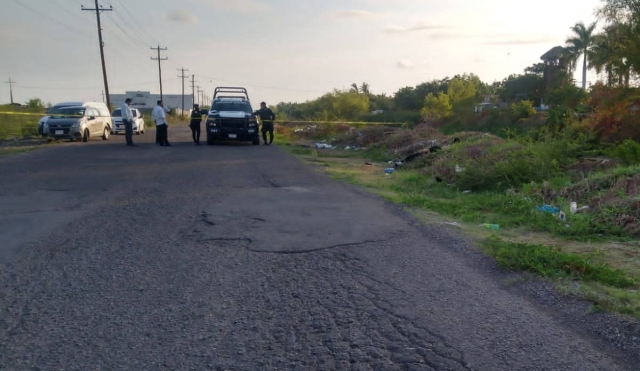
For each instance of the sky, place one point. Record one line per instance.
(280, 50)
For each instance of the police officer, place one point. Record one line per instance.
(196, 119)
(267, 117)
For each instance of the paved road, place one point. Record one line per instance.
(242, 258)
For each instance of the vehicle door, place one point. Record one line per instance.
(93, 121)
(134, 113)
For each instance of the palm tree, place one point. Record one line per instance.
(608, 54)
(354, 88)
(581, 43)
(364, 88)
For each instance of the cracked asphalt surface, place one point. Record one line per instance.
(240, 257)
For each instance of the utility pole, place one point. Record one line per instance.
(183, 77)
(193, 88)
(99, 9)
(199, 95)
(10, 88)
(159, 66)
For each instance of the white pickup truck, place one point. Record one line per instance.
(118, 125)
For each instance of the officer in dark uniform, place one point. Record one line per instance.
(267, 117)
(196, 119)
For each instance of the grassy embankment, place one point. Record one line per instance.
(504, 181)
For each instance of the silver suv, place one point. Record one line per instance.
(78, 122)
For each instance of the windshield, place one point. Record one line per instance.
(232, 106)
(116, 113)
(66, 112)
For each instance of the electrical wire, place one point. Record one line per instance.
(263, 87)
(51, 19)
(133, 19)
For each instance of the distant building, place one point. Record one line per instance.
(145, 101)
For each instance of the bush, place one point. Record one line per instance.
(493, 164)
(522, 110)
(628, 152)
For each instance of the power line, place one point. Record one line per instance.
(159, 59)
(89, 87)
(129, 38)
(136, 23)
(68, 11)
(133, 30)
(265, 87)
(51, 19)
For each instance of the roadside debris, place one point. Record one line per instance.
(389, 170)
(494, 227)
(548, 209)
(455, 224)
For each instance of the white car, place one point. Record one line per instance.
(118, 125)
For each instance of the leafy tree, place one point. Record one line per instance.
(436, 107)
(35, 103)
(535, 69)
(460, 89)
(405, 99)
(581, 43)
(517, 87)
(348, 105)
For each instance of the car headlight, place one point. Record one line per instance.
(76, 125)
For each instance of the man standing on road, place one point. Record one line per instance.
(127, 120)
(196, 119)
(267, 118)
(159, 117)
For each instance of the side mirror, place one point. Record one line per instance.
(204, 112)
(91, 118)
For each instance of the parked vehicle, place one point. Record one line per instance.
(118, 125)
(231, 117)
(101, 114)
(78, 123)
(44, 119)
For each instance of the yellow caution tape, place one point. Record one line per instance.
(282, 122)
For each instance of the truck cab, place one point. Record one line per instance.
(231, 117)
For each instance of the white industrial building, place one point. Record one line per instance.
(144, 100)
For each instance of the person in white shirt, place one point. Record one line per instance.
(159, 117)
(127, 120)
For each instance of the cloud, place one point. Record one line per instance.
(405, 64)
(237, 6)
(182, 16)
(416, 28)
(540, 40)
(358, 14)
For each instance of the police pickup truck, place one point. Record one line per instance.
(231, 117)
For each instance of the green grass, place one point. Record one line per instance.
(603, 272)
(554, 263)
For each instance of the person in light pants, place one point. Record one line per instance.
(159, 117)
(127, 120)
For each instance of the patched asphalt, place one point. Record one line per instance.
(240, 257)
